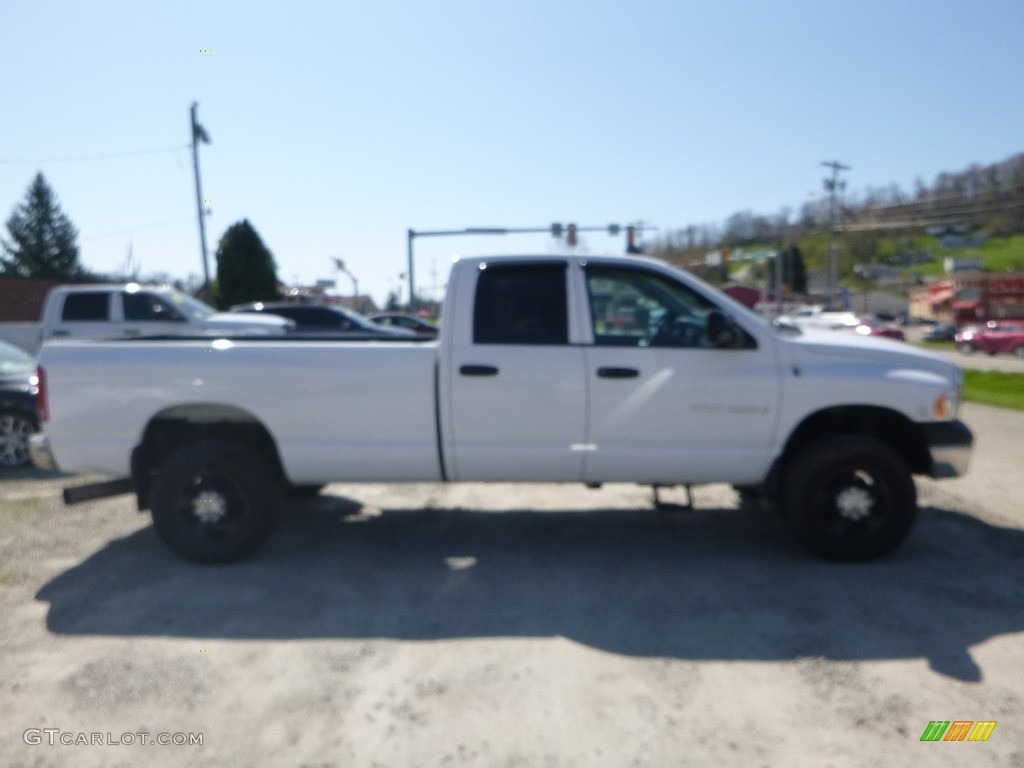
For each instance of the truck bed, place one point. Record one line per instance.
(345, 410)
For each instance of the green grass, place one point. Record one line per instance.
(938, 345)
(998, 254)
(1005, 390)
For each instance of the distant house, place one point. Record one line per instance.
(952, 265)
(957, 236)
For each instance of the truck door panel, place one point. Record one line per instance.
(666, 406)
(517, 405)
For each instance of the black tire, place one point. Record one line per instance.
(240, 485)
(1019, 352)
(965, 348)
(849, 497)
(754, 499)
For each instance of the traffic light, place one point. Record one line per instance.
(556, 229)
(631, 246)
(570, 236)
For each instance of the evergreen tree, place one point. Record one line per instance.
(42, 238)
(245, 267)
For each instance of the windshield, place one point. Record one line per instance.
(194, 309)
(361, 320)
(13, 360)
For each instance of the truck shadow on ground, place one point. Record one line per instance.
(710, 584)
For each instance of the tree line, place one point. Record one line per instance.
(42, 243)
(989, 198)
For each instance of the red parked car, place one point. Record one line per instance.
(1000, 337)
(875, 328)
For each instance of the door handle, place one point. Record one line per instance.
(617, 373)
(61, 333)
(478, 370)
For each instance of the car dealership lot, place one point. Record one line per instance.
(431, 625)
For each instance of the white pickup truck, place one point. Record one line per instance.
(128, 310)
(565, 369)
(819, 317)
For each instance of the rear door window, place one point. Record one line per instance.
(521, 304)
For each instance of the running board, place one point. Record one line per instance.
(93, 491)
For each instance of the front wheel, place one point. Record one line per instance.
(215, 501)
(849, 497)
(1019, 352)
(304, 491)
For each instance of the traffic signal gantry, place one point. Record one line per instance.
(570, 231)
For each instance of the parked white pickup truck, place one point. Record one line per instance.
(130, 309)
(819, 317)
(567, 369)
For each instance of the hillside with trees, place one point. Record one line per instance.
(882, 226)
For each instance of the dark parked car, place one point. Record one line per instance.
(409, 322)
(18, 418)
(325, 320)
(940, 332)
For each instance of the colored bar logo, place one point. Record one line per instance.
(958, 730)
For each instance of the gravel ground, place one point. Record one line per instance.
(497, 625)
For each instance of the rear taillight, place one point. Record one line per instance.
(42, 403)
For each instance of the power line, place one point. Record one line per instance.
(133, 230)
(92, 158)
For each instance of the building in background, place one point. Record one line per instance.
(973, 297)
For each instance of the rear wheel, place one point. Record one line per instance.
(849, 497)
(215, 501)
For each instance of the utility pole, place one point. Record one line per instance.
(410, 234)
(831, 185)
(339, 266)
(199, 134)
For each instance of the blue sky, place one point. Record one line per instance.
(336, 126)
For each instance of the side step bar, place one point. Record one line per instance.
(92, 491)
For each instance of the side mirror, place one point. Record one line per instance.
(722, 332)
